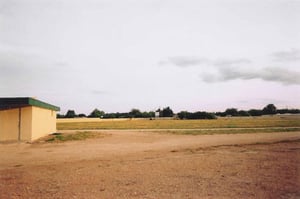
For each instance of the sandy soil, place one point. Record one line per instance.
(132, 164)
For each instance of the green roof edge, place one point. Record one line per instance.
(38, 103)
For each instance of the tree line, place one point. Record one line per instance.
(270, 109)
(134, 113)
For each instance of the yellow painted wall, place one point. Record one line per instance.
(26, 123)
(35, 123)
(9, 124)
(43, 122)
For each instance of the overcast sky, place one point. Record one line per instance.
(116, 55)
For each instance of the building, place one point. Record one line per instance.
(26, 119)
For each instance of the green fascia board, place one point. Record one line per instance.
(7, 103)
(38, 103)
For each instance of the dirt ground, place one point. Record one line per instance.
(133, 164)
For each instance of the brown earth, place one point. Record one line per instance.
(133, 164)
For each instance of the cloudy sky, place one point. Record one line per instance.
(116, 55)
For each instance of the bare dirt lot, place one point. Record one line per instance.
(135, 164)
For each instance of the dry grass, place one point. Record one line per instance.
(78, 135)
(239, 122)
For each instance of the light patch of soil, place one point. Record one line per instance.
(132, 164)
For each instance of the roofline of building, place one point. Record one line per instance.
(18, 102)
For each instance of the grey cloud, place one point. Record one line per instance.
(273, 74)
(283, 56)
(232, 69)
(228, 73)
(183, 61)
(281, 75)
(228, 62)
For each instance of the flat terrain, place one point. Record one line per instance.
(145, 164)
(278, 121)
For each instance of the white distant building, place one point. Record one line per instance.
(157, 114)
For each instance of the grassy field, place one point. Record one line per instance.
(291, 122)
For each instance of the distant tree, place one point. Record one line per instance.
(96, 113)
(60, 115)
(243, 113)
(109, 115)
(231, 111)
(70, 114)
(136, 113)
(294, 111)
(81, 115)
(255, 112)
(282, 111)
(290, 111)
(270, 109)
(196, 115)
(202, 115)
(116, 115)
(221, 114)
(148, 114)
(123, 115)
(166, 112)
(183, 115)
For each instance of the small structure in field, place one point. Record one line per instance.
(156, 114)
(26, 119)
